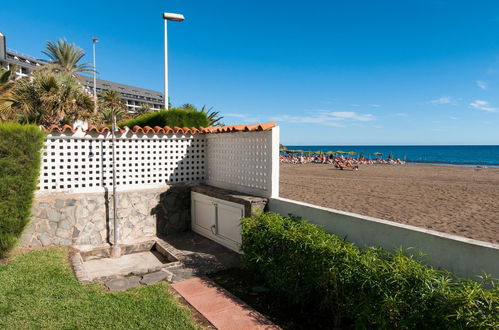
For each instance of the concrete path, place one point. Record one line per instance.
(104, 267)
(221, 308)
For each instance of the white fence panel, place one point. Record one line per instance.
(244, 161)
(80, 162)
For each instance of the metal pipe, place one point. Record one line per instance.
(166, 66)
(94, 41)
(115, 251)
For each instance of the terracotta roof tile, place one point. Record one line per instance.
(167, 129)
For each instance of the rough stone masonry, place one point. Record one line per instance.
(86, 218)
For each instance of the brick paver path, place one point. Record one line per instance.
(221, 308)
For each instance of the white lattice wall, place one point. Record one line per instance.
(80, 162)
(244, 161)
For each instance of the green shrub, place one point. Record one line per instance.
(19, 169)
(370, 288)
(173, 118)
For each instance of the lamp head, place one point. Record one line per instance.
(173, 17)
(95, 40)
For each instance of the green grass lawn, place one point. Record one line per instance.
(38, 290)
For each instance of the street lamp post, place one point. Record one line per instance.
(94, 41)
(176, 18)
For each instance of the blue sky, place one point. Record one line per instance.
(329, 72)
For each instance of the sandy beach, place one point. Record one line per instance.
(458, 200)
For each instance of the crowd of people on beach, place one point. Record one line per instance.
(340, 162)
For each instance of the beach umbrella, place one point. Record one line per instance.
(377, 153)
(351, 153)
(330, 153)
(340, 152)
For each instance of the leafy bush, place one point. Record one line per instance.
(370, 288)
(19, 169)
(173, 118)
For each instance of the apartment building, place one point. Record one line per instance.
(132, 96)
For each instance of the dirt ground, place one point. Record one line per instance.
(458, 200)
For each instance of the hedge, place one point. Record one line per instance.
(20, 155)
(369, 288)
(173, 118)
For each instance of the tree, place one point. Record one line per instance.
(107, 115)
(8, 75)
(213, 116)
(7, 82)
(111, 99)
(66, 57)
(142, 109)
(50, 98)
(189, 106)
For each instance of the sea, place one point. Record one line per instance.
(470, 155)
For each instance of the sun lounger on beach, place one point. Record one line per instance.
(342, 166)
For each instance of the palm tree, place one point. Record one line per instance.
(213, 116)
(142, 109)
(189, 106)
(107, 115)
(111, 99)
(8, 74)
(49, 98)
(66, 57)
(7, 80)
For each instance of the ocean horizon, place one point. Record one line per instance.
(465, 155)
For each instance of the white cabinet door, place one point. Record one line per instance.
(228, 224)
(204, 213)
(217, 219)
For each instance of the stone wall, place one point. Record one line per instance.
(86, 219)
(173, 213)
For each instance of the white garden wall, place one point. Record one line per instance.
(247, 162)
(82, 162)
(73, 204)
(463, 256)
